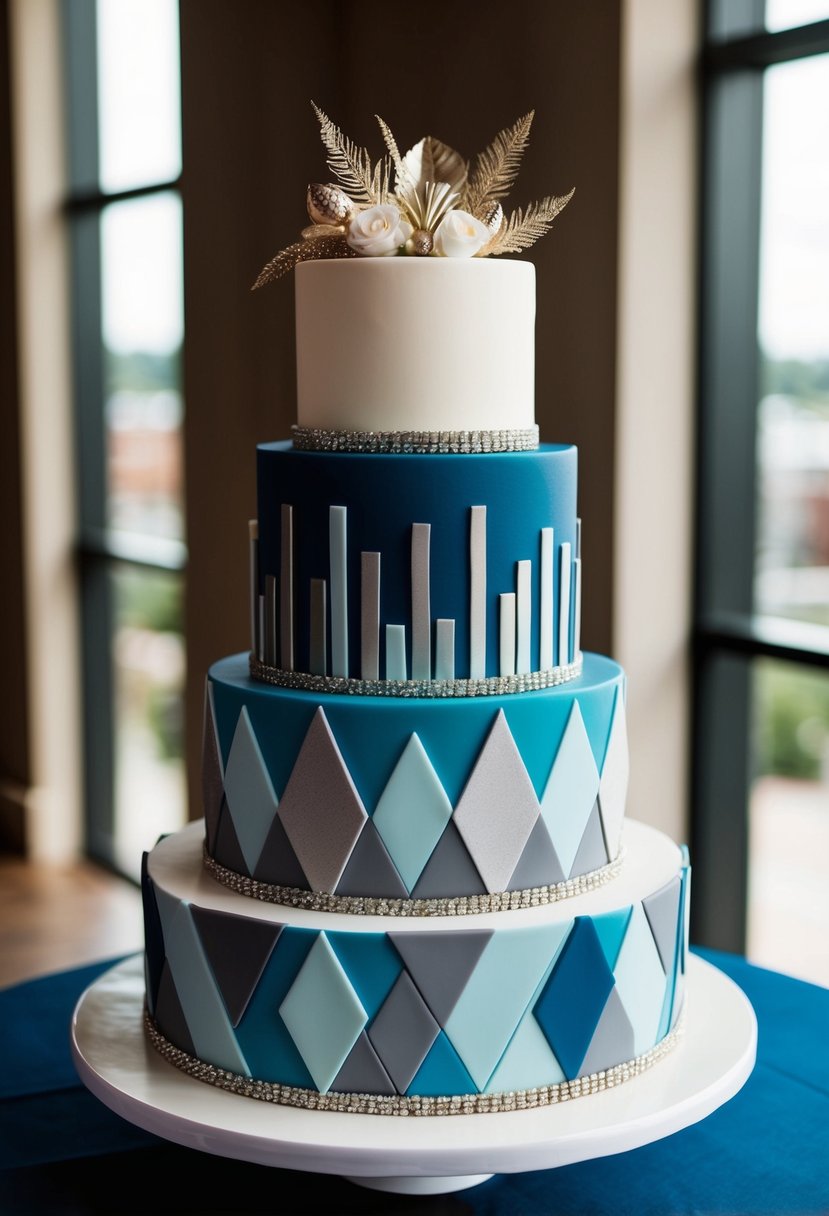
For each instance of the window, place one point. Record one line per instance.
(761, 798)
(124, 213)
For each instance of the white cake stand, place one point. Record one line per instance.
(415, 1155)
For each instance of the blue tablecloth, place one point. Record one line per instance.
(765, 1152)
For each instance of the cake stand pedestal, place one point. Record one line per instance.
(415, 1155)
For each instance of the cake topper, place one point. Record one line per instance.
(424, 203)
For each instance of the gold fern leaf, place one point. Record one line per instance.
(351, 165)
(496, 168)
(302, 251)
(394, 151)
(525, 227)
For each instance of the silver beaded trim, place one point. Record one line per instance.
(372, 905)
(376, 1104)
(411, 443)
(490, 686)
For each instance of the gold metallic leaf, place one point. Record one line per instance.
(352, 165)
(432, 161)
(496, 168)
(525, 227)
(302, 251)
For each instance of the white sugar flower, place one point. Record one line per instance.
(378, 231)
(460, 235)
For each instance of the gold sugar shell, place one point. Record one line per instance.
(328, 205)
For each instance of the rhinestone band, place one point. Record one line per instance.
(410, 443)
(377, 1104)
(490, 686)
(375, 905)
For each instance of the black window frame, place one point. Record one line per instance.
(725, 643)
(98, 550)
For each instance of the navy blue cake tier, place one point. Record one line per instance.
(424, 567)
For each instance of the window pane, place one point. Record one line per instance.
(138, 92)
(792, 571)
(788, 911)
(788, 14)
(148, 662)
(142, 331)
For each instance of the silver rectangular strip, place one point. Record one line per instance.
(506, 633)
(370, 616)
(444, 649)
(318, 634)
(421, 611)
(564, 603)
(270, 620)
(339, 590)
(253, 547)
(524, 619)
(260, 654)
(286, 590)
(477, 593)
(545, 607)
(396, 652)
(577, 609)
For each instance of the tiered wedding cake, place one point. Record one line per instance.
(414, 889)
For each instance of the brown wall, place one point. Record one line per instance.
(460, 72)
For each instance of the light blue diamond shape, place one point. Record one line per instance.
(250, 794)
(323, 1013)
(571, 790)
(412, 812)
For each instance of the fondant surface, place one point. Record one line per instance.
(386, 344)
(384, 497)
(308, 776)
(499, 1000)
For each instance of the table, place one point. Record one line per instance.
(62, 1151)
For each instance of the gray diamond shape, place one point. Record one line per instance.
(321, 811)
(403, 1032)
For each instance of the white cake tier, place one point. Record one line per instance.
(415, 344)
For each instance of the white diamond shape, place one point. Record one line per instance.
(571, 790)
(323, 1013)
(614, 783)
(249, 792)
(412, 812)
(498, 808)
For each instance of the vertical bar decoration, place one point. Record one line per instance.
(421, 612)
(546, 614)
(507, 633)
(477, 593)
(253, 542)
(564, 603)
(444, 649)
(370, 616)
(286, 590)
(396, 652)
(339, 590)
(318, 653)
(270, 621)
(576, 608)
(578, 539)
(260, 654)
(523, 606)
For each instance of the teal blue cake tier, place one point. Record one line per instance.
(413, 798)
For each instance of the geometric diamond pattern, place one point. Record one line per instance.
(249, 792)
(640, 980)
(498, 807)
(614, 781)
(412, 812)
(403, 1032)
(323, 1013)
(570, 793)
(571, 1003)
(321, 811)
(211, 768)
